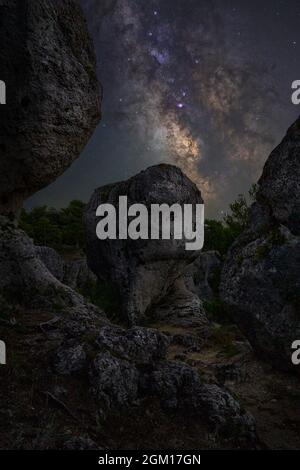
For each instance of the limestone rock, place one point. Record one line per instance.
(131, 365)
(182, 308)
(201, 277)
(24, 279)
(75, 273)
(114, 380)
(261, 275)
(53, 103)
(279, 185)
(179, 388)
(141, 345)
(143, 270)
(70, 359)
(52, 260)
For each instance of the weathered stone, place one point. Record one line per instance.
(141, 345)
(182, 308)
(202, 276)
(143, 270)
(80, 443)
(114, 380)
(52, 260)
(179, 388)
(279, 185)
(261, 275)
(75, 274)
(25, 279)
(53, 104)
(70, 359)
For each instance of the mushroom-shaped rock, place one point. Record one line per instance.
(142, 269)
(52, 103)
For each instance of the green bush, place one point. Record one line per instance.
(55, 228)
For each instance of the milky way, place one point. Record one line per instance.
(201, 84)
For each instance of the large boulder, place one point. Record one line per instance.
(143, 270)
(53, 104)
(261, 276)
(131, 365)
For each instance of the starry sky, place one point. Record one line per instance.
(202, 84)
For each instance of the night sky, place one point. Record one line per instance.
(203, 84)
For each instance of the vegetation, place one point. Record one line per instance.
(219, 235)
(56, 228)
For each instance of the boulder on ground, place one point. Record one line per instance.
(131, 365)
(53, 103)
(143, 270)
(261, 276)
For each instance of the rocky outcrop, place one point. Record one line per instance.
(52, 260)
(143, 270)
(279, 186)
(25, 280)
(75, 274)
(53, 103)
(179, 388)
(53, 106)
(202, 276)
(261, 275)
(131, 365)
(182, 308)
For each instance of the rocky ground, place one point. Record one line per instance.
(43, 409)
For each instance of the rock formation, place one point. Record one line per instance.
(53, 104)
(143, 270)
(132, 364)
(261, 276)
(75, 274)
(183, 308)
(202, 276)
